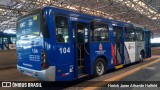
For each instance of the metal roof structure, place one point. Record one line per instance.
(142, 12)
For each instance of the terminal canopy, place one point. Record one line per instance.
(141, 12)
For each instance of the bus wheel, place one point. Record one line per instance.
(142, 56)
(99, 67)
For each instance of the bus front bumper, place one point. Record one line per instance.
(46, 75)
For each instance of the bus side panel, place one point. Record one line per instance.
(95, 52)
(139, 46)
(61, 54)
(106, 51)
(129, 52)
(48, 42)
(64, 53)
(147, 44)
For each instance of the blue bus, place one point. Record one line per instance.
(7, 41)
(60, 45)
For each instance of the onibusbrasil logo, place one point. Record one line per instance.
(20, 84)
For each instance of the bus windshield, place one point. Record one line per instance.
(29, 25)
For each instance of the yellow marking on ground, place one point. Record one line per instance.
(120, 76)
(118, 66)
(83, 76)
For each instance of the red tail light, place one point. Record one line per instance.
(44, 60)
(43, 65)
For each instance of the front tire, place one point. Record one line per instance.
(99, 67)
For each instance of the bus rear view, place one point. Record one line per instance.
(31, 56)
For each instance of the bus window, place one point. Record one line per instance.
(5, 40)
(29, 25)
(139, 34)
(62, 34)
(13, 40)
(129, 34)
(99, 32)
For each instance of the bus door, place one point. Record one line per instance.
(147, 43)
(118, 44)
(81, 45)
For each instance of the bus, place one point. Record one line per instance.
(54, 44)
(7, 41)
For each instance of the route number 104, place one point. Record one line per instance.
(64, 50)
